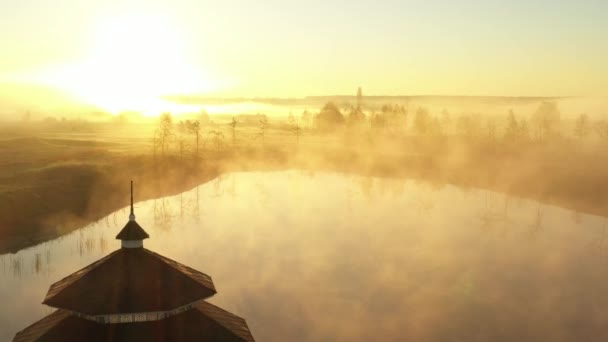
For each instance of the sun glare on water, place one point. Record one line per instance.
(134, 61)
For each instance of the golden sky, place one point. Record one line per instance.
(129, 53)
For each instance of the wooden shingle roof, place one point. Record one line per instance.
(35, 331)
(130, 280)
(204, 322)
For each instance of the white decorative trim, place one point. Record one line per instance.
(132, 243)
(134, 316)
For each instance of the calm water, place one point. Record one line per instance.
(329, 257)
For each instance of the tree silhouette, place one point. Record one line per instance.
(469, 125)
(581, 128)
(491, 125)
(294, 127)
(164, 132)
(194, 127)
(446, 121)
(546, 119)
(356, 117)
(512, 131)
(377, 121)
(421, 121)
(263, 127)
(306, 118)
(330, 117)
(601, 128)
(233, 124)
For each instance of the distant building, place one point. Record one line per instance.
(134, 294)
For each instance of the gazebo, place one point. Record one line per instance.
(134, 294)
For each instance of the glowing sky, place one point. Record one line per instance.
(106, 50)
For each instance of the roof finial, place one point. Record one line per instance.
(132, 216)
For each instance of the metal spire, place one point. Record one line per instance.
(132, 216)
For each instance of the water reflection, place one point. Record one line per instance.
(495, 215)
(37, 263)
(163, 214)
(537, 225)
(16, 263)
(308, 256)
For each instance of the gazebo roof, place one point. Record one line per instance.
(204, 322)
(132, 231)
(134, 294)
(130, 280)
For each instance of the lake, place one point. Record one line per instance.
(309, 256)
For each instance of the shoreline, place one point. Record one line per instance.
(108, 191)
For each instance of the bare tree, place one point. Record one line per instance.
(491, 125)
(446, 121)
(355, 117)
(294, 127)
(164, 132)
(524, 130)
(581, 128)
(601, 128)
(512, 130)
(469, 125)
(233, 124)
(546, 119)
(421, 121)
(306, 118)
(217, 139)
(377, 121)
(194, 127)
(181, 143)
(263, 127)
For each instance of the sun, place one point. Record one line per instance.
(135, 60)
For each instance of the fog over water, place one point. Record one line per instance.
(310, 256)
